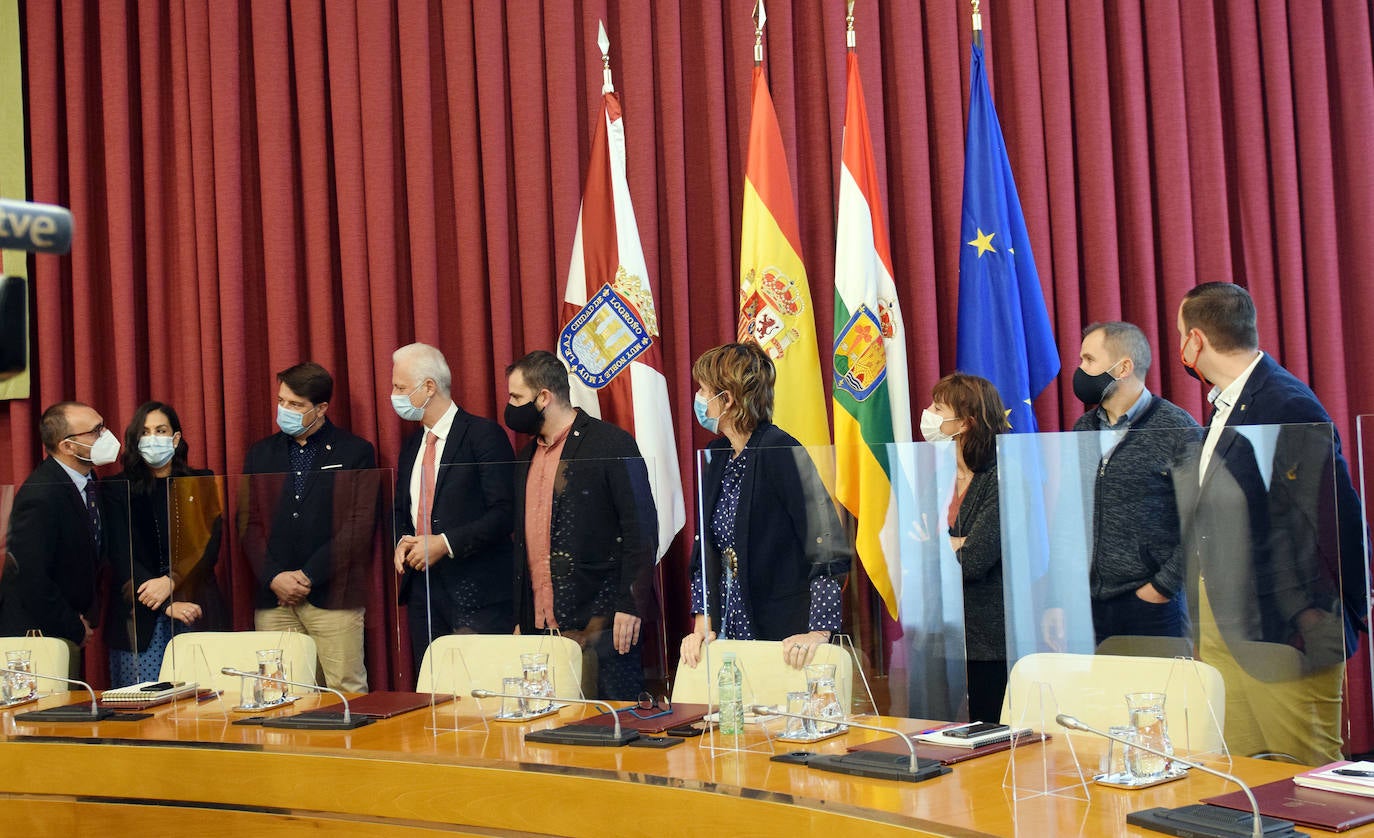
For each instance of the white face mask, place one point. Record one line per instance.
(104, 450)
(157, 451)
(403, 407)
(931, 424)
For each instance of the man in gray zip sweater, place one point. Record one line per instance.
(1136, 570)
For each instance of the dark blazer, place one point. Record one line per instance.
(328, 532)
(51, 573)
(979, 520)
(1273, 540)
(186, 550)
(604, 527)
(473, 507)
(786, 533)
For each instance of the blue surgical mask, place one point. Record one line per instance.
(700, 405)
(404, 409)
(291, 422)
(157, 451)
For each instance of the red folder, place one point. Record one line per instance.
(1329, 810)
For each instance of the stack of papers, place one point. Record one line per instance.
(1342, 776)
(148, 691)
(938, 737)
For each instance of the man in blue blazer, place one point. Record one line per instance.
(454, 507)
(1272, 534)
(308, 517)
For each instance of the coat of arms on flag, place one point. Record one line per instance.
(860, 356)
(769, 306)
(609, 331)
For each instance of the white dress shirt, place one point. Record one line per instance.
(441, 430)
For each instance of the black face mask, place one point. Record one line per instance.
(524, 418)
(1092, 389)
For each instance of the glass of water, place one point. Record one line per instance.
(538, 686)
(21, 683)
(1147, 718)
(825, 701)
(271, 689)
(513, 708)
(799, 703)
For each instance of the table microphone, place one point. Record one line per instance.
(69, 713)
(574, 734)
(313, 720)
(1197, 819)
(883, 766)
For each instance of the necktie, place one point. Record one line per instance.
(93, 510)
(427, 480)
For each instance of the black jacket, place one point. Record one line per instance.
(786, 533)
(178, 537)
(328, 532)
(473, 507)
(604, 527)
(979, 520)
(52, 570)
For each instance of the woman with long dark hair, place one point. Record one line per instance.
(174, 522)
(968, 410)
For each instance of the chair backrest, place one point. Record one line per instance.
(191, 653)
(48, 655)
(1093, 688)
(766, 673)
(460, 663)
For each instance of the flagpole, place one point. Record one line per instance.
(849, 26)
(977, 22)
(607, 86)
(760, 17)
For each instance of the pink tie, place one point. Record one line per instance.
(422, 521)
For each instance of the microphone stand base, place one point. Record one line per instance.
(319, 721)
(1202, 821)
(878, 765)
(583, 735)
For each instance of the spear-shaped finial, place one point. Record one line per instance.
(760, 18)
(607, 86)
(849, 25)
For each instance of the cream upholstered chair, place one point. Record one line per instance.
(1093, 688)
(766, 674)
(48, 656)
(191, 653)
(460, 663)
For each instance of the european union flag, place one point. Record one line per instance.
(1004, 330)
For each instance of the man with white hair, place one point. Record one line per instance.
(454, 507)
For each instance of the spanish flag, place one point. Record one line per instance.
(872, 402)
(775, 299)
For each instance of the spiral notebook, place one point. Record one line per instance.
(143, 693)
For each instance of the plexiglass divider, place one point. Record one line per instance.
(1210, 595)
(1359, 682)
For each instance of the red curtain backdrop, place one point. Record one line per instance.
(255, 184)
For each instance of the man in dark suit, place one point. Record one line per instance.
(586, 525)
(1272, 533)
(61, 528)
(308, 517)
(454, 507)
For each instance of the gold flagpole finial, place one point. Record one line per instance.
(760, 18)
(849, 25)
(607, 86)
(977, 21)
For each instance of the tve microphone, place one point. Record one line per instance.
(1197, 819)
(574, 734)
(70, 713)
(313, 720)
(35, 228)
(911, 769)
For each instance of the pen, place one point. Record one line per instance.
(1353, 772)
(938, 728)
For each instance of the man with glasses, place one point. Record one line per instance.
(61, 528)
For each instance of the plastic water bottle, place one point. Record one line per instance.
(730, 684)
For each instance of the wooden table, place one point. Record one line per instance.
(396, 777)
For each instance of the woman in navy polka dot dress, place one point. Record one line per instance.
(768, 565)
(174, 521)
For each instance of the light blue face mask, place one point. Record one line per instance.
(157, 451)
(700, 405)
(404, 409)
(291, 422)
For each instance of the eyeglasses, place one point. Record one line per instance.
(647, 708)
(98, 429)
